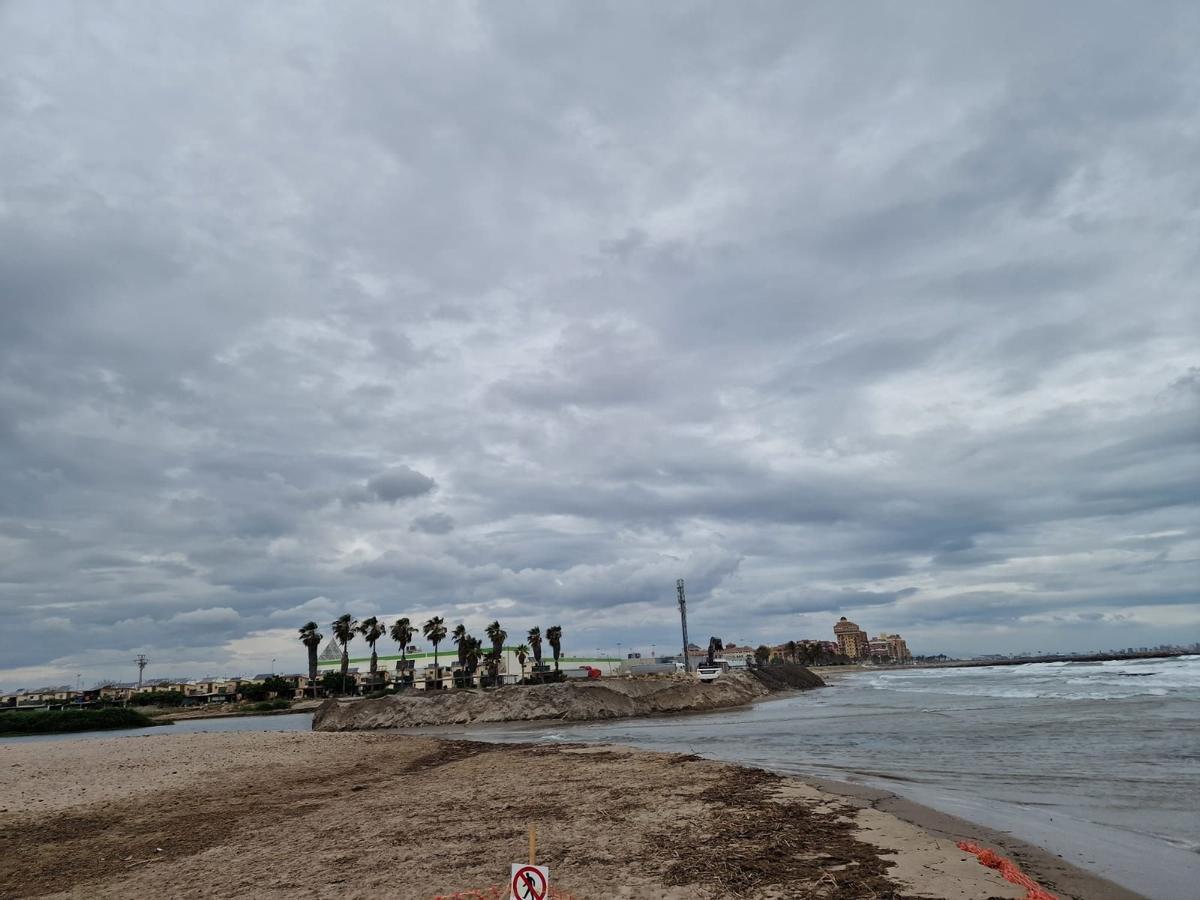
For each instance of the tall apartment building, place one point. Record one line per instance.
(852, 640)
(897, 648)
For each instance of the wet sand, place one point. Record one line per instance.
(358, 815)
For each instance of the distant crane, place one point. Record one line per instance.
(687, 663)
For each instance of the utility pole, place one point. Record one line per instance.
(687, 662)
(141, 664)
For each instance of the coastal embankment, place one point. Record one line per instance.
(574, 701)
(369, 815)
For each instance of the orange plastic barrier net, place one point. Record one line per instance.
(496, 892)
(1007, 868)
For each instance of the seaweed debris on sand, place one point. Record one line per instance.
(210, 815)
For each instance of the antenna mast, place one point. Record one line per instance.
(687, 662)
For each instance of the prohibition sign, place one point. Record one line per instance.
(529, 882)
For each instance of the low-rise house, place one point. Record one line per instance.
(299, 684)
(162, 685)
(116, 691)
(738, 656)
(47, 696)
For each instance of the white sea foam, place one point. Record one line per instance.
(1111, 680)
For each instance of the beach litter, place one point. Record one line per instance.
(1009, 869)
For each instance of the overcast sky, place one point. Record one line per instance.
(523, 311)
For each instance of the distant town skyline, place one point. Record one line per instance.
(521, 312)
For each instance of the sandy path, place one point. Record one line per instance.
(274, 815)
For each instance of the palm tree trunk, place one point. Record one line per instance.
(312, 668)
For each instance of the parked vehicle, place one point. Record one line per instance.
(653, 668)
(583, 672)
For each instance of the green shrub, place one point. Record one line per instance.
(331, 682)
(270, 705)
(273, 685)
(54, 721)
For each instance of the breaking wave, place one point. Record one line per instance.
(1109, 680)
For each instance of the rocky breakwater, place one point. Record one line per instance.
(607, 698)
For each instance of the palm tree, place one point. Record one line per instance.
(554, 639)
(435, 632)
(372, 630)
(535, 644)
(762, 654)
(402, 634)
(496, 635)
(522, 655)
(789, 650)
(471, 654)
(344, 628)
(459, 635)
(311, 638)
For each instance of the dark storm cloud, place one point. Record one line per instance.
(399, 483)
(526, 312)
(433, 523)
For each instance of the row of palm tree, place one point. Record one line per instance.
(806, 653)
(470, 649)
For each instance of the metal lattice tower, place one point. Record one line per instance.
(687, 661)
(141, 664)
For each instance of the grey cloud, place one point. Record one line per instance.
(433, 523)
(829, 313)
(397, 483)
(831, 601)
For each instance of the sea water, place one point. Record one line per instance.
(1098, 762)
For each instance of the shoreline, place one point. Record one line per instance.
(1050, 870)
(275, 814)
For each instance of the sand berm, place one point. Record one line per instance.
(608, 698)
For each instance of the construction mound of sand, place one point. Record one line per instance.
(607, 698)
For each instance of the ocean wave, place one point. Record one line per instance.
(1035, 693)
(1062, 680)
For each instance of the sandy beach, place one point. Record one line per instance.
(359, 815)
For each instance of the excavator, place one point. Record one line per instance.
(713, 665)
